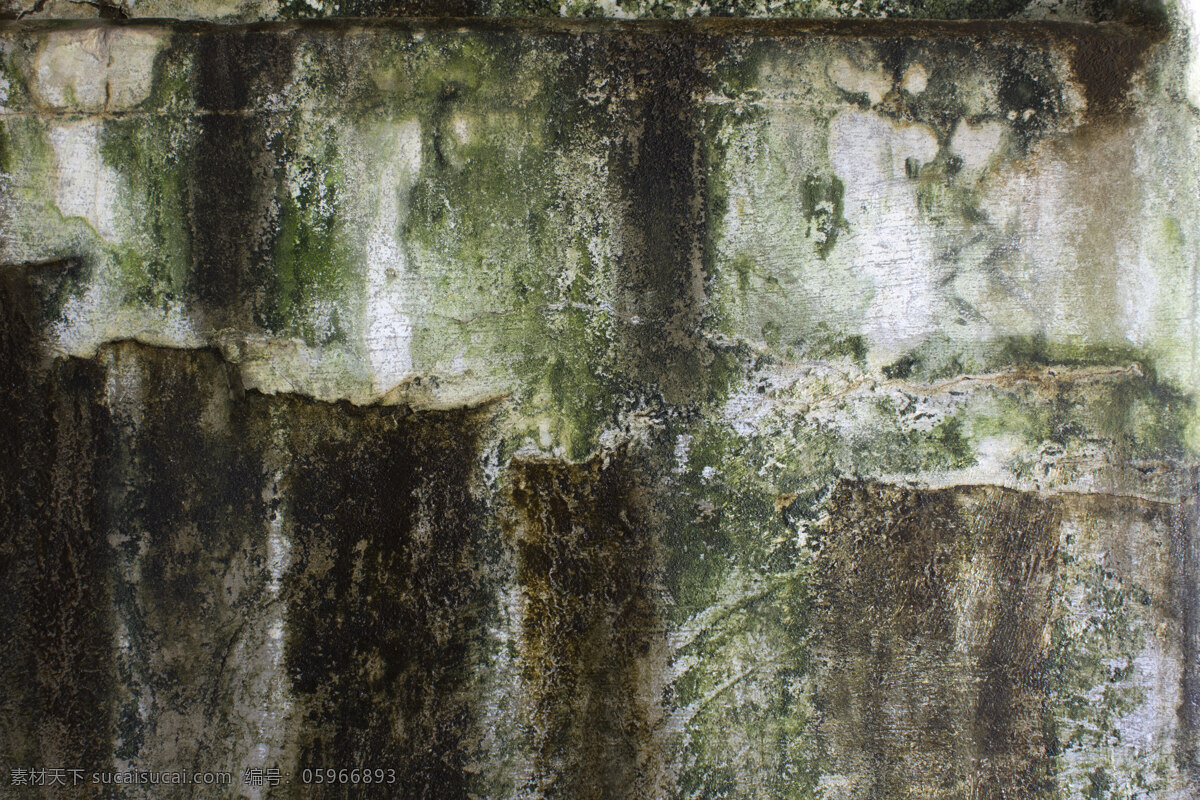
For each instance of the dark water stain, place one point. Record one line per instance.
(184, 492)
(386, 589)
(1105, 59)
(651, 113)
(55, 653)
(232, 182)
(1185, 555)
(943, 669)
(137, 501)
(1022, 543)
(915, 697)
(585, 566)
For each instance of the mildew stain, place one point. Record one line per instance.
(591, 632)
(53, 558)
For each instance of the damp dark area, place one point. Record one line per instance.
(586, 568)
(231, 196)
(1185, 554)
(1105, 62)
(897, 658)
(386, 562)
(665, 277)
(54, 561)
(893, 562)
(138, 509)
(183, 493)
(653, 88)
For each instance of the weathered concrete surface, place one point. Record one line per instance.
(592, 645)
(977, 639)
(248, 10)
(58, 636)
(594, 409)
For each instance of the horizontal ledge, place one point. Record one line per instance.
(705, 27)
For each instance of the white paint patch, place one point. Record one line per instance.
(915, 79)
(1189, 10)
(71, 70)
(608, 8)
(1142, 295)
(745, 410)
(683, 444)
(99, 316)
(868, 153)
(84, 185)
(994, 459)
(388, 325)
(279, 550)
(1153, 725)
(131, 65)
(976, 144)
(124, 392)
(462, 128)
(103, 69)
(850, 78)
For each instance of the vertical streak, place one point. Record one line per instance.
(1186, 555)
(271, 690)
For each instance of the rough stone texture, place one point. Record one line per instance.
(598, 409)
(386, 558)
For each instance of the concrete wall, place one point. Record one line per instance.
(543, 408)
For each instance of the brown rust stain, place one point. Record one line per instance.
(1105, 59)
(933, 609)
(591, 630)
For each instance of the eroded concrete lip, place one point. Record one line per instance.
(775, 27)
(1104, 56)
